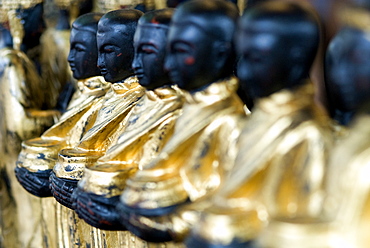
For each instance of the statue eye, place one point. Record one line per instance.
(148, 50)
(109, 49)
(79, 48)
(180, 48)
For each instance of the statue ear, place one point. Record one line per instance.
(221, 52)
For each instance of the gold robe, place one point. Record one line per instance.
(67, 132)
(197, 157)
(149, 127)
(279, 171)
(21, 101)
(349, 186)
(110, 121)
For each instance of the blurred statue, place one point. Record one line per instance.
(196, 158)
(22, 105)
(55, 49)
(345, 77)
(348, 185)
(283, 149)
(149, 127)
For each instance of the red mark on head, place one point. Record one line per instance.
(154, 21)
(189, 60)
(119, 54)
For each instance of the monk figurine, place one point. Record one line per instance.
(283, 149)
(23, 116)
(115, 49)
(200, 60)
(347, 214)
(149, 127)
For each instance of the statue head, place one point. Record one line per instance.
(200, 49)
(277, 42)
(83, 54)
(25, 20)
(33, 25)
(150, 48)
(115, 37)
(69, 10)
(347, 70)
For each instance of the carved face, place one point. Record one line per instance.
(347, 69)
(150, 49)
(189, 57)
(83, 54)
(262, 68)
(115, 52)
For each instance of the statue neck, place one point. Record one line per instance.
(63, 20)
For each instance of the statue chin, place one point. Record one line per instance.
(62, 190)
(97, 211)
(36, 183)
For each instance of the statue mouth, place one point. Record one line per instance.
(139, 75)
(103, 72)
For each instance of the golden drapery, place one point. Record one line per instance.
(110, 120)
(41, 153)
(149, 127)
(349, 185)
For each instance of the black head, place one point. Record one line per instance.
(150, 48)
(115, 37)
(347, 70)
(200, 49)
(83, 54)
(277, 42)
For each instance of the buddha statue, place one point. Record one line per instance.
(23, 117)
(279, 171)
(115, 54)
(191, 164)
(347, 183)
(149, 127)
